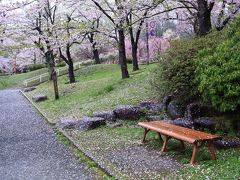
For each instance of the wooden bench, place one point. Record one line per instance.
(197, 138)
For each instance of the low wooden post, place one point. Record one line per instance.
(54, 78)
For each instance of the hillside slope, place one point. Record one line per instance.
(99, 88)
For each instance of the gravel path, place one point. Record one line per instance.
(28, 148)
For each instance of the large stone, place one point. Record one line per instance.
(107, 115)
(152, 106)
(128, 112)
(175, 110)
(227, 143)
(165, 102)
(153, 118)
(205, 122)
(67, 123)
(114, 125)
(29, 89)
(184, 123)
(39, 98)
(88, 123)
(193, 111)
(180, 122)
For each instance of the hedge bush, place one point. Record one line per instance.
(218, 72)
(36, 67)
(175, 74)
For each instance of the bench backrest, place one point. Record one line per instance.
(177, 132)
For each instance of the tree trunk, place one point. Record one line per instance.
(204, 17)
(122, 53)
(70, 66)
(71, 72)
(96, 54)
(55, 85)
(135, 58)
(50, 62)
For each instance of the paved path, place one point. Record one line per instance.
(28, 147)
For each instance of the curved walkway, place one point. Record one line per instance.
(28, 147)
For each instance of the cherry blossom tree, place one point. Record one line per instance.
(114, 11)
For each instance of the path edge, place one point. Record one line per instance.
(53, 125)
(39, 111)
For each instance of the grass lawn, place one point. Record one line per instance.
(16, 81)
(100, 88)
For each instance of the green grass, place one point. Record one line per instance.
(99, 88)
(16, 81)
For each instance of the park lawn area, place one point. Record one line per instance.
(16, 81)
(98, 88)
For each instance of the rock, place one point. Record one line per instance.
(107, 115)
(152, 106)
(205, 122)
(167, 121)
(88, 123)
(134, 127)
(224, 143)
(165, 102)
(67, 123)
(175, 110)
(114, 125)
(180, 122)
(39, 98)
(193, 111)
(128, 112)
(29, 89)
(184, 123)
(153, 118)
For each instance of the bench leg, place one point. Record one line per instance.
(194, 154)
(164, 148)
(182, 144)
(145, 133)
(160, 137)
(212, 150)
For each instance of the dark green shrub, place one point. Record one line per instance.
(36, 67)
(129, 60)
(218, 72)
(175, 74)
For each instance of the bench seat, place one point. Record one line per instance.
(197, 138)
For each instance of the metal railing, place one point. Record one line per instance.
(45, 77)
